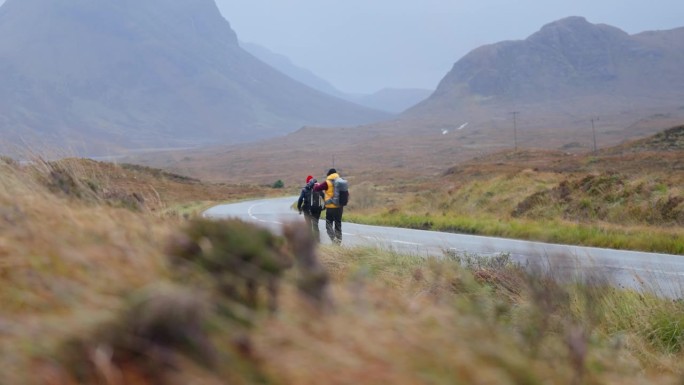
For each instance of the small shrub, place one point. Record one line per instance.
(240, 256)
(278, 184)
(158, 325)
(65, 181)
(7, 160)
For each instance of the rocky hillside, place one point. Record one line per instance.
(98, 76)
(570, 57)
(564, 74)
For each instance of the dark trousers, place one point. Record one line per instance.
(312, 218)
(333, 224)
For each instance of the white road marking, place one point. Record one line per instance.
(249, 212)
(254, 217)
(406, 243)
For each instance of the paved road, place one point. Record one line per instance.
(663, 273)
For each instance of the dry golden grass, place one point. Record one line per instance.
(625, 197)
(430, 322)
(64, 265)
(81, 272)
(73, 243)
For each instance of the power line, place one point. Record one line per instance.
(515, 129)
(593, 130)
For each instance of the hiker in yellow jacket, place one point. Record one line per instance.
(333, 212)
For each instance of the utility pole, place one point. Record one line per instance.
(333, 161)
(515, 129)
(593, 131)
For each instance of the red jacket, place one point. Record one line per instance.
(329, 192)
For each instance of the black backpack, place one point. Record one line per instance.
(313, 199)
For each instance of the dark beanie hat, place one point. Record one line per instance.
(332, 171)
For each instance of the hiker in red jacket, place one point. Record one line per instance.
(333, 212)
(310, 203)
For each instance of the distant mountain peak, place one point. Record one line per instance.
(577, 30)
(562, 75)
(569, 23)
(570, 56)
(107, 74)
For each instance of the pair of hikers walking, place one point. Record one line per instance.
(330, 195)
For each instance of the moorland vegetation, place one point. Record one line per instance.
(110, 276)
(625, 197)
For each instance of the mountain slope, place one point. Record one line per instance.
(568, 57)
(100, 75)
(565, 73)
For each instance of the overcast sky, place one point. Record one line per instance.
(367, 45)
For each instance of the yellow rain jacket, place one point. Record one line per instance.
(330, 191)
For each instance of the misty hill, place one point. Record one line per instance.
(565, 73)
(558, 79)
(100, 75)
(393, 100)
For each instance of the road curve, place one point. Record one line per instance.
(661, 273)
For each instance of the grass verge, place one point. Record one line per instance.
(651, 239)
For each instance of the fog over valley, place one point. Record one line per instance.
(102, 78)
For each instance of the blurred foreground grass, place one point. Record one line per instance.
(98, 292)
